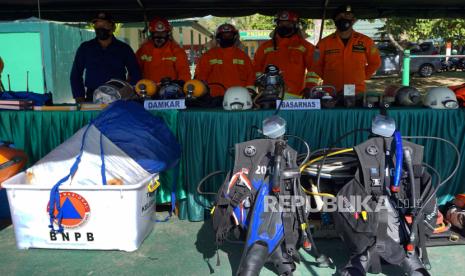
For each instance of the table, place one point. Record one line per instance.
(206, 137)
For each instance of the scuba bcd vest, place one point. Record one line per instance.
(243, 206)
(385, 229)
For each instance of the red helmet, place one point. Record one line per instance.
(159, 24)
(226, 28)
(287, 16)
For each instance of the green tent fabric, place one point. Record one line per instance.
(39, 132)
(207, 137)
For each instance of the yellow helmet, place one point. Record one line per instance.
(194, 89)
(146, 88)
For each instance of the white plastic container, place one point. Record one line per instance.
(96, 217)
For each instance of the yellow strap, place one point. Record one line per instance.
(212, 210)
(238, 61)
(146, 58)
(300, 48)
(169, 58)
(303, 226)
(153, 185)
(216, 61)
(269, 49)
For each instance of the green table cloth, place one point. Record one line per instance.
(207, 136)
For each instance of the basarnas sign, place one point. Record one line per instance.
(165, 104)
(299, 104)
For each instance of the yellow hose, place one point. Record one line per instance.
(317, 194)
(321, 157)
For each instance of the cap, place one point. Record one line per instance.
(103, 16)
(342, 9)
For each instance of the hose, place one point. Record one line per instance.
(305, 144)
(420, 211)
(452, 173)
(334, 143)
(200, 192)
(306, 164)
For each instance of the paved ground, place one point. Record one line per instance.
(179, 248)
(422, 84)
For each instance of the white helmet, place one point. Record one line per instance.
(237, 98)
(441, 98)
(113, 90)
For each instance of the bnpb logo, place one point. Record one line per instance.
(75, 209)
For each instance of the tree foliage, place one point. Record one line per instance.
(420, 29)
(253, 22)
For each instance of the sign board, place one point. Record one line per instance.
(299, 104)
(165, 104)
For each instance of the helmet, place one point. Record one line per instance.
(113, 90)
(226, 28)
(146, 88)
(286, 16)
(11, 161)
(170, 89)
(194, 89)
(408, 96)
(441, 98)
(159, 24)
(237, 98)
(454, 51)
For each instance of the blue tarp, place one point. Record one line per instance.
(38, 99)
(144, 137)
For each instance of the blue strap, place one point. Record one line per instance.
(54, 203)
(102, 156)
(173, 194)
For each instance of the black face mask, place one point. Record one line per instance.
(343, 24)
(159, 41)
(285, 31)
(102, 33)
(226, 43)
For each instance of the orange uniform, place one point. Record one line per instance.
(227, 66)
(293, 56)
(350, 64)
(167, 61)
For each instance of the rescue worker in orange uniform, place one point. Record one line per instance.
(226, 65)
(161, 56)
(1, 70)
(290, 52)
(346, 56)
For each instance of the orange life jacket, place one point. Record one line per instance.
(11, 161)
